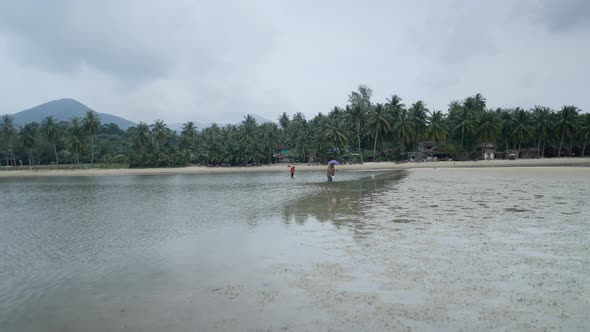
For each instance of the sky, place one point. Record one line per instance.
(216, 61)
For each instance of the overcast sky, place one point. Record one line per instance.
(215, 61)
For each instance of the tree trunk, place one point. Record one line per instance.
(55, 151)
(584, 148)
(462, 134)
(13, 161)
(539, 148)
(358, 136)
(92, 150)
(570, 149)
(375, 146)
(560, 143)
(543, 151)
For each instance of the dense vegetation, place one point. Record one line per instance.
(380, 131)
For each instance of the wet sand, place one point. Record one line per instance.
(555, 162)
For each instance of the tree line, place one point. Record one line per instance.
(359, 131)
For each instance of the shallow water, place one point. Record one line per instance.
(426, 249)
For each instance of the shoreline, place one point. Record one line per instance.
(369, 166)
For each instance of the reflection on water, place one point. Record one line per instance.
(342, 202)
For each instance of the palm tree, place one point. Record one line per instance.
(403, 128)
(141, 137)
(8, 132)
(379, 122)
(269, 133)
(75, 138)
(91, 125)
(418, 118)
(522, 126)
(585, 129)
(248, 138)
(542, 123)
(160, 131)
(488, 127)
(336, 132)
(50, 131)
(394, 105)
(27, 135)
(464, 121)
(356, 112)
(479, 102)
(284, 121)
(566, 123)
(360, 105)
(189, 132)
(437, 126)
(506, 123)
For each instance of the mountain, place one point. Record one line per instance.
(64, 110)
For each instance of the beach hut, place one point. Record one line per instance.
(488, 151)
(425, 151)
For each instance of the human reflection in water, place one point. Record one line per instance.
(344, 204)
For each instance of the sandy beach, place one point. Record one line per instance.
(369, 166)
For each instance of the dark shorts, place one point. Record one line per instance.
(329, 178)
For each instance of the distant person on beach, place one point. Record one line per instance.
(331, 172)
(292, 171)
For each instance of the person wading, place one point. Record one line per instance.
(331, 172)
(292, 171)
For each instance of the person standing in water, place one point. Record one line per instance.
(292, 171)
(331, 172)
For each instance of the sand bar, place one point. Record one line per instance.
(554, 162)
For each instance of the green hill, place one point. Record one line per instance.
(64, 110)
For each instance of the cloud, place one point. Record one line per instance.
(212, 61)
(562, 16)
(181, 51)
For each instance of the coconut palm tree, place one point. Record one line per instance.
(336, 132)
(27, 135)
(269, 134)
(8, 132)
(585, 130)
(248, 138)
(506, 123)
(91, 125)
(464, 120)
(141, 136)
(160, 131)
(356, 112)
(479, 102)
(189, 132)
(379, 122)
(437, 126)
(542, 124)
(403, 128)
(417, 113)
(394, 105)
(51, 133)
(488, 127)
(566, 124)
(360, 105)
(284, 121)
(522, 126)
(75, 138)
